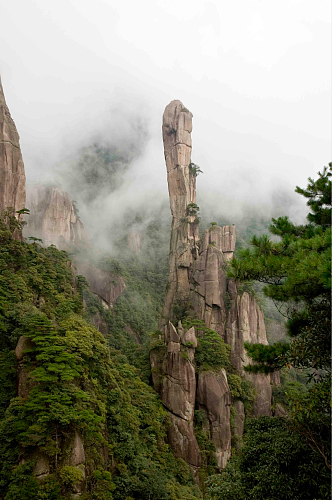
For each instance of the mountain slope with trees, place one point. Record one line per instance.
(72, 384)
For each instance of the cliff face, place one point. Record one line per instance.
(53, 218)
(236, 317)
(198, 286)
(12, 175)
(173, 374)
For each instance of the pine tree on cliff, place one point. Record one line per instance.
(287, 458)
(296, 271)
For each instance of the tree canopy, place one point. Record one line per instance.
(290, 457)
(296, 272)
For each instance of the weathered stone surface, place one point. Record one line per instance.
(23, 345)
(245, 323)
(135, 241)
(280, 411)
(99, 323)
(189, 338)
(77, 459)
(262, 403)
(77, 454)
(156, 361)
(173, 375)
(42, 467)
(182, 440)
(208, 281)
(24, 380)
(214, 398)
(177, 127)
(239, 418)
(179, 382)
(53, 218)
(12, 175)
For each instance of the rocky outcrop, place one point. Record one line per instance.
(214, 399)
(54, 218)
(236, 317)
(24, 380)
(239, 418)
(173, 374)
(77, 460)
(208, 280)
(12, 175)
(198, 286)
(245, 323)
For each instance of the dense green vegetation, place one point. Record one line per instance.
(289, 458)
(77, 381)
(73, 384)
(274, 463)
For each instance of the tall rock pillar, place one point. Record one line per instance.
(177, 385)
(177, 127)
(198, 287)
(12, 175)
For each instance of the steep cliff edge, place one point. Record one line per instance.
(198, 288)
(12, 175)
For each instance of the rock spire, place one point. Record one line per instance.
(12, 175)
(198, 287)
(181, 177)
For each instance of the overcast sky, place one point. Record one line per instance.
(255, 74)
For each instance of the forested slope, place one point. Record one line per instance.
(72, 388)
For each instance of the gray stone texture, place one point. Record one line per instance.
(12, 174)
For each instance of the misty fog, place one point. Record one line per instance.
(89, 79)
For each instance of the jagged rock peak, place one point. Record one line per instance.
(12, 174)
(54, 217)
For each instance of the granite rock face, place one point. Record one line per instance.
(176, 129)
(245, 323)
(53, 218)
(198, 286)
(12, 174)
(208, 279)
(214, 399)
(173, 374)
